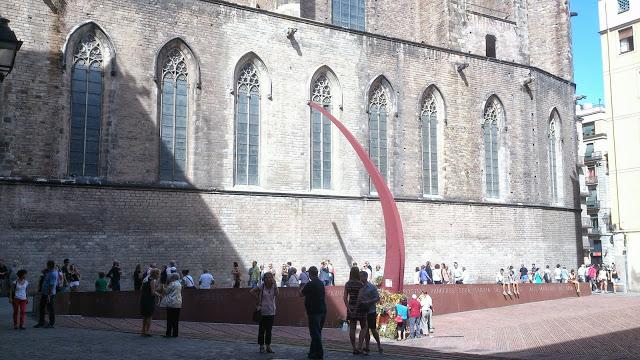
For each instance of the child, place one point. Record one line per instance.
(101, 283)
(18, 297)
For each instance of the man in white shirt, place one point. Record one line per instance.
(171, 268)
(457, 273)
(426, 308)
(557, 273)
(582, 273)
(466, 278)
(206, 280)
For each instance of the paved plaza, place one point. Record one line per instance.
(593, 327)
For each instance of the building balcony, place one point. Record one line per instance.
(591, 180)
(593, 204)
(592, 136)
(594, 231)
(586, 222)
(594, 156)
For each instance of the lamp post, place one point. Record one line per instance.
(9, 46)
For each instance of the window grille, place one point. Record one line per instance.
(623, 6)
(86, 107)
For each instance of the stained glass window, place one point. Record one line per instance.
(429, 119)
(378, 114)
(493, 115)
(247, 136)
(321, 136)
(86, 107)
(173, 122)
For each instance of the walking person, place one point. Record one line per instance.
(266, 293)
(235, 273)
(148, 294)
(18, 298)
(414, 309)
(367, 299)
(350, 298)
(137, 278)
(426, 309)
(48, 295)
(314, 303)
(172, 301)
(115, 274)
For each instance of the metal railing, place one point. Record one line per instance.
(591, 180)
(593, 231)
(594, 156)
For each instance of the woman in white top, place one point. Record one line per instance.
(602, 278)
(437, 274)
(266, 294)
(172, 300)
(18, 297)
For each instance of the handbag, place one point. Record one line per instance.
(257, 313)
(399, 319)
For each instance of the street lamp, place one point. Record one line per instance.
(9, 46)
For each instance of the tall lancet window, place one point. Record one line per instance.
(429, 119)
(174, 107)
(553, 161)
(493, 114)
(86, 107)
(321, 135)
(247, 126)
(378, 114)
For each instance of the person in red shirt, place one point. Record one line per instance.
(414, 317)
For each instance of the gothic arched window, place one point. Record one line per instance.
(247, 136)
(86, 107)
(553, 161)
(493, 115)
(173, 121)
(378, 114)
(348, 14)
(429, 119)
(321, 135)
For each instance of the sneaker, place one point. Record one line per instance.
(504, 293)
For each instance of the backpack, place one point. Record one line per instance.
(547, 277)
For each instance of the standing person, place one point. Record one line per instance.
(426, 309)
(284, 275)
(235, 272)
(137, 278)
(414, 308)
(547, 275)
(416, 276)
(48, 295)
(172, 301)
(437, 275)
(424, 276)
(564, 275)
(592, 273)
(524, 273)
(557, 274)
(457, 274)
(293, 278)
(74, 277)
(446, 276)
(402, 314)
(537, 276)
(324, 273)
(187, 280)
(602, 279)
(466, 278)
(206, 280)
(350, 298)
(332, 273)
(4, 275)
(368, 298)
(171, 268)
(115, 274)
(148, 294)
(101, 283)
(266, 294)
(377, 274)
(367, 267)
(18, 298)
(66, 276)
(582, 273)
(427, 267)
(614, 277)
(304, 276)
(316, 308)
(254, 274)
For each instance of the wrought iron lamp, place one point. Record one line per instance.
(9, 46)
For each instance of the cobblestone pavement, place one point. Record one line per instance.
(593, 327)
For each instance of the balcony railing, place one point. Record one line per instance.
(593, 135)
(594, 156)
(586, 222)
(593, 204)
(593, 231)
(591, 180)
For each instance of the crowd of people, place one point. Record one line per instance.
(428, 274)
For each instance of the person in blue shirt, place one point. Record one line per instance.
(47, 295)
(401, 314)
(424, 276)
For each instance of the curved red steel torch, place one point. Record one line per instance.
(394, 259)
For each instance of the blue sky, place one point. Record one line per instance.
(587, 58)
